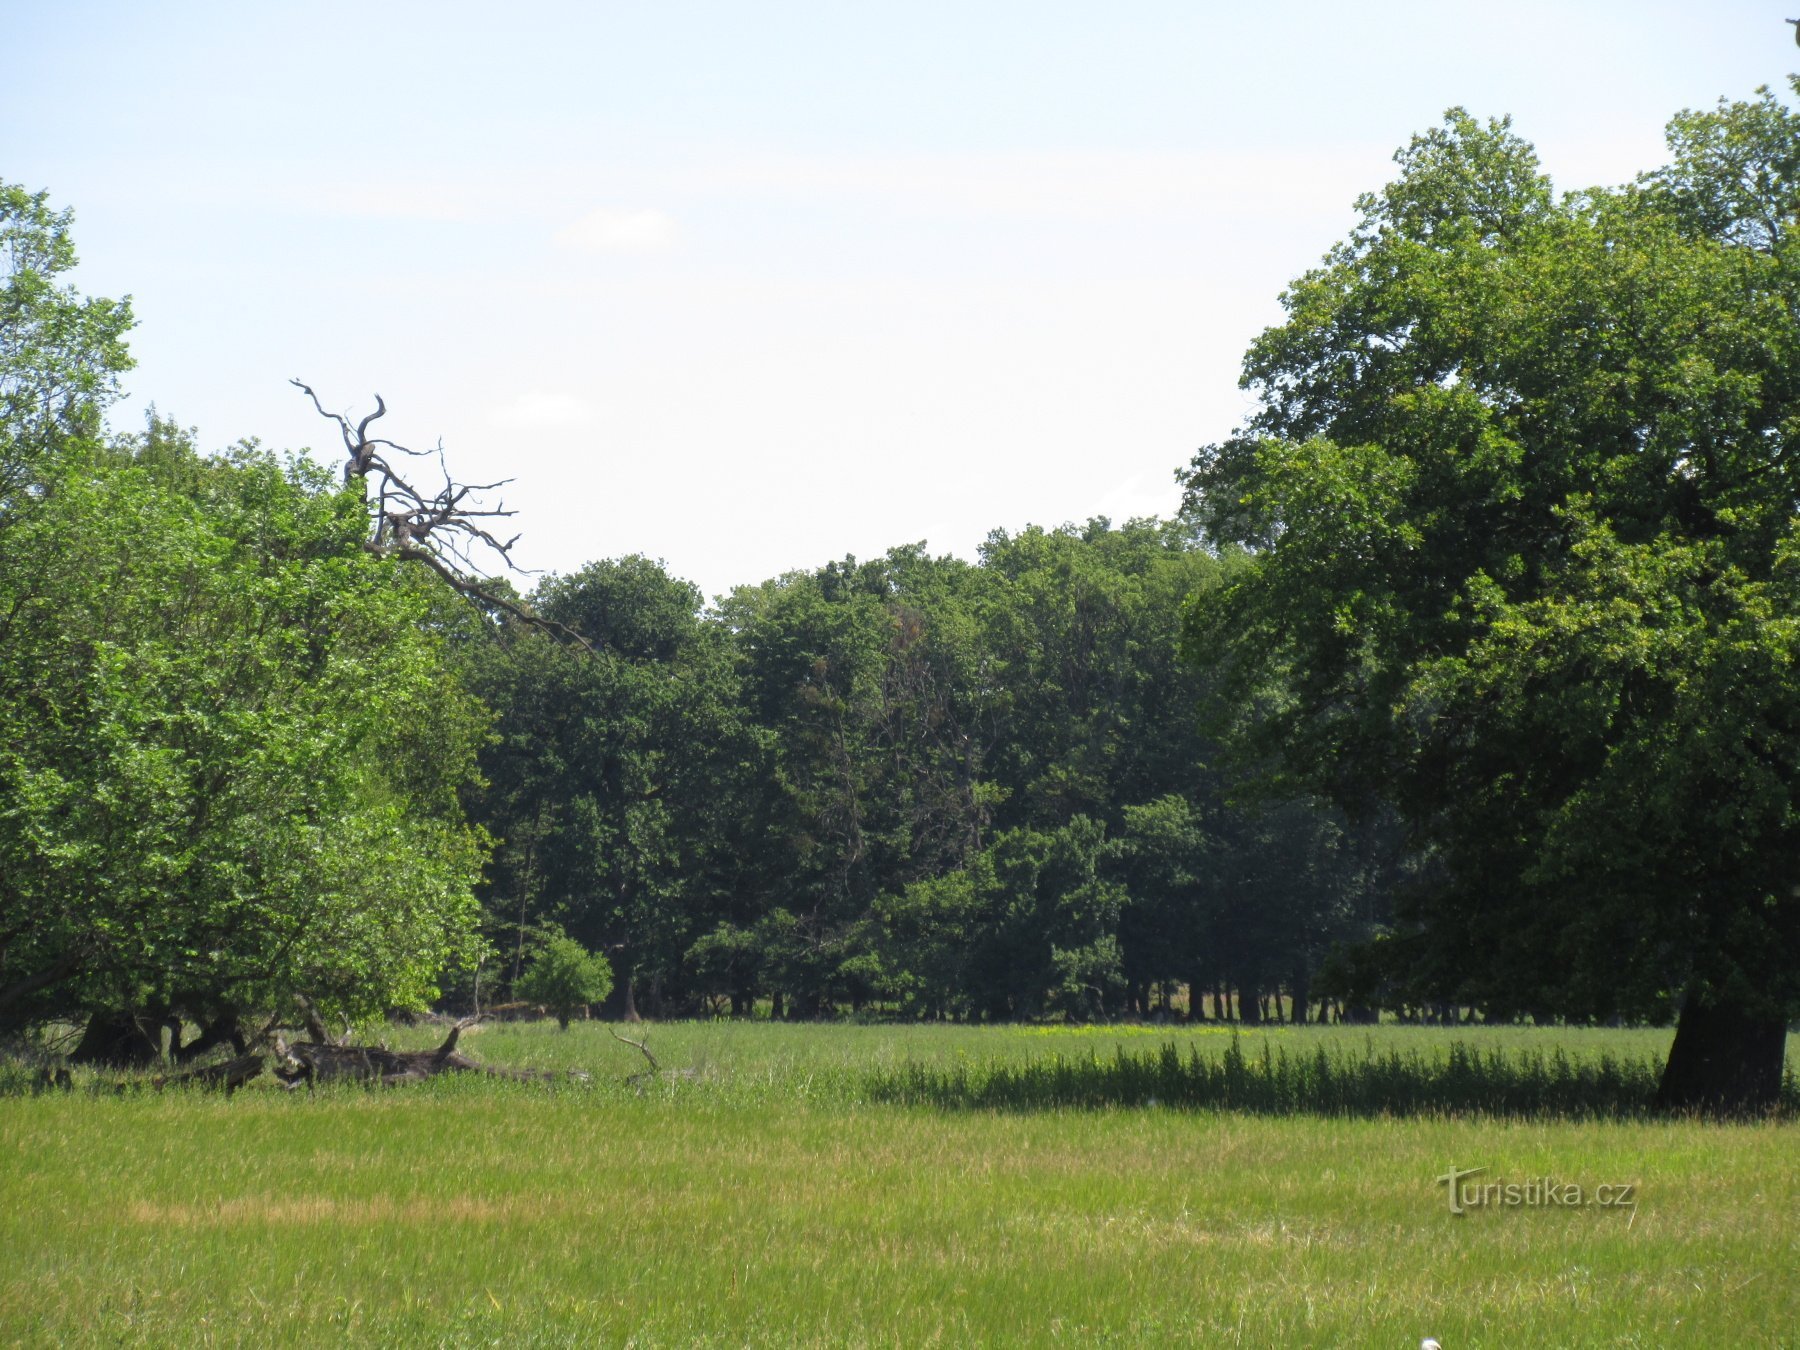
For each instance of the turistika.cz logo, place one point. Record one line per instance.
(1535, 1193)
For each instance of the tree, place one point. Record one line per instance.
(1521, 495)
(61, 353)
(229, 749)
(564, 976)
(860, 678)
(1029, 927)
(231, 753)
(611, 766)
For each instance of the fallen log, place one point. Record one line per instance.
(312, 1062)
(231, 1075)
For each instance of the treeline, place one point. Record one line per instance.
(938, 788)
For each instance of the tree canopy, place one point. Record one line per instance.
(230, 744)
(1521, 497)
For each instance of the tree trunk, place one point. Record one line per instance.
(631, 1013)
(117, 1040)
(1249, 1009)
(1302, 990)
(1723, 1059)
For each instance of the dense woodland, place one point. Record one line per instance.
(1464, 680)
(947, 789)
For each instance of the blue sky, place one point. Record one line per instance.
(749, 287)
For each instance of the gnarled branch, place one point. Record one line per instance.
(439, 528)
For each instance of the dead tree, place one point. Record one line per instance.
(440, 528)
(329, 1061)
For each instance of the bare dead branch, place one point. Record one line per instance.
(308, 1064)
(638, 1045)
(257, 1041)
(439, 527)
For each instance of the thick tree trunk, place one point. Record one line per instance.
(117, 1040)
(1249, 1005)
(1302, 990)
(1723, 1059)
(630, 1013)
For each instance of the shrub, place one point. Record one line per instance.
(564, 976)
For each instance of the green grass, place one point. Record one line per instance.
(775, 1201)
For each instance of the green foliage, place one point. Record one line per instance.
(61, 353)
(610, 781)
(229, 750)
(564, 976)
(1030, 927)
(845, 786)
(231, 754)
(1520, 493)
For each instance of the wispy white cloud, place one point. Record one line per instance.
(540, 410)
(608, 230)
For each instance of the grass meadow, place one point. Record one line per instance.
(854, 1185)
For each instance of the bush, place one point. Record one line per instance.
(564, 976)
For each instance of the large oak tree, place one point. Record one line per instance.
(230, 746)
(1522, 494)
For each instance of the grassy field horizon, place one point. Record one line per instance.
(771, 1200)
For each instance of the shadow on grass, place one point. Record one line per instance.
(1460, 1081)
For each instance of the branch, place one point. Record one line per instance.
(473, 590)
(315, 1025)
(448, 1048)
(54, 974)
(438, 529)
(638, 1045)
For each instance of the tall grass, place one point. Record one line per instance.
(1339, 1071)
(1458, 1078)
